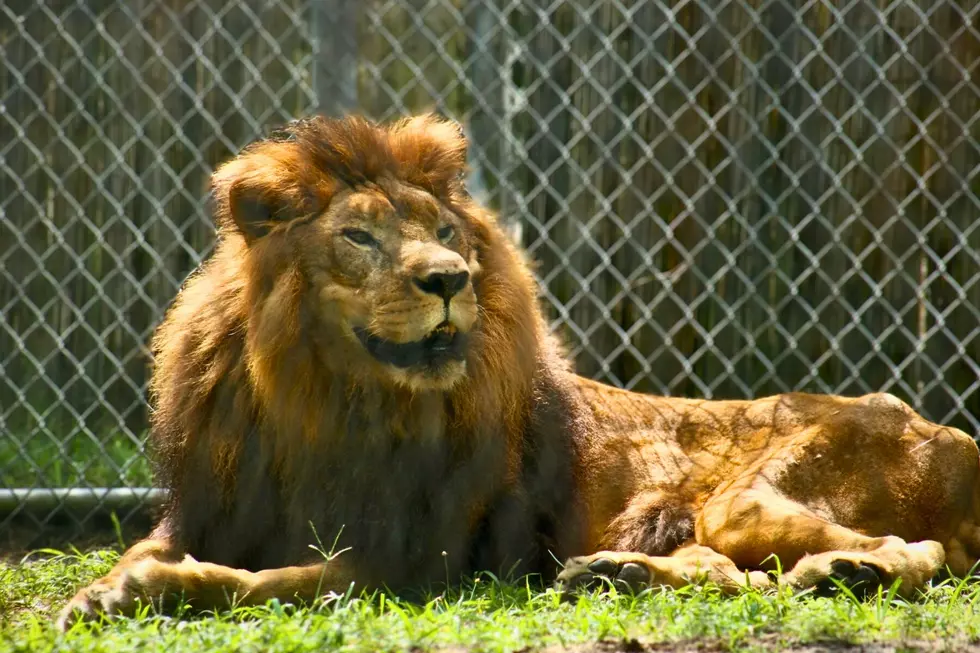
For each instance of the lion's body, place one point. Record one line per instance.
(869, 464)
(363, 361)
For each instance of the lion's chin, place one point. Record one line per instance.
(438, 357)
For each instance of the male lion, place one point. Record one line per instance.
(363, 360)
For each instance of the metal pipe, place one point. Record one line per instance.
(78, 499)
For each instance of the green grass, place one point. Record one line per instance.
(39, 460)
(484, 616)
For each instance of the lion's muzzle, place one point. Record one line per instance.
(443, 345)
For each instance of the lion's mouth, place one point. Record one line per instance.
(445, 343)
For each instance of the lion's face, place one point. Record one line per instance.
(376, 222)
(393, 270)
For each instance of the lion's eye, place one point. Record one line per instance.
(445, 234)
(360, 238)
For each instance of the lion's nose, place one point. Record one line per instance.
(443, 284)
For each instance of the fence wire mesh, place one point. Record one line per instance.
(724, 198)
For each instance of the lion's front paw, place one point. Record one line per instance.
(108, 596)
(626, 573)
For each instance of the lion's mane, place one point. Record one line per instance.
(261, 442)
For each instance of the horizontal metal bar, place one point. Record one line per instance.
(46, 499)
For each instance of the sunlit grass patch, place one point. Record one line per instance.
(485, 616)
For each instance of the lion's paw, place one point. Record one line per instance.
(913, 564)
(863, 580)
(625, 572)
(826, 573)
(112, 596)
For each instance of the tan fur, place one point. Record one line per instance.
(269, 410)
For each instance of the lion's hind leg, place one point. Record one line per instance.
(755, 526)
(741, 532)
(863, 572)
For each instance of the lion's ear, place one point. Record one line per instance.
(257, 209)
(262, 187)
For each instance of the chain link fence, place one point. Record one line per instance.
(725, 198)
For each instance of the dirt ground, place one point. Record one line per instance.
(769, 644)
(765, 644)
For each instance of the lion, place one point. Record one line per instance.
(359, 389)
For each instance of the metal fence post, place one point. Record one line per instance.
(489, 125)
(335, 59)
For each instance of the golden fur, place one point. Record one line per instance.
(363, 358)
